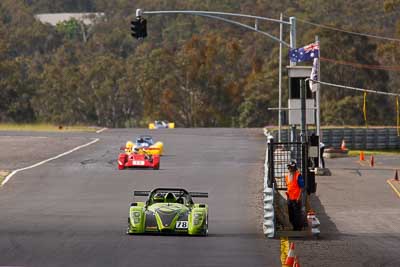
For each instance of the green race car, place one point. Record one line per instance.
(168, 211)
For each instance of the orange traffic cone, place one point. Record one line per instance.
(396, 176)
(290, 257)
(296, 262)
(343, 146)
(362, 158)
(372, 161)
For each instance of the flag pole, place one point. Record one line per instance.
(318, 100)
(280, 81)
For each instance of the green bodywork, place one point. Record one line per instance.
(168, 218)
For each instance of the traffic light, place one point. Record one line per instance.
(144, 28)
(139, 28)
(135, 27)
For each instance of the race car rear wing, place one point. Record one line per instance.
(199, 194)
(141, 193)
(192, 194)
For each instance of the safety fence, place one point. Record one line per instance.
(277, 156)
(282, 154)
(356, 138)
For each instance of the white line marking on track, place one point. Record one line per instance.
(47, 160)
(25, 137)
(101, 130)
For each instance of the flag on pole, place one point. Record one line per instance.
(305, 53)
(365, 109)
(314, 76)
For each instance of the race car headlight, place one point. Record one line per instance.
(136, 217)
(197, 218)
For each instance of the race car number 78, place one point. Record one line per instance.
(181, 225)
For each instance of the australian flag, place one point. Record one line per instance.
(306, 53)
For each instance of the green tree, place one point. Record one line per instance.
(193, 70)
(71, 29)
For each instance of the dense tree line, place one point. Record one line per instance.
(191, 70)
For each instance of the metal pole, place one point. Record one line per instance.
(197, 12)
(303, 125)
(292, 21)
(280, 80)
(293, 133)
(218, 16)
(318, 101)
(292, 32)
(303, 110)
(304, 146)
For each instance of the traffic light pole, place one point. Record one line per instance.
(219, 16)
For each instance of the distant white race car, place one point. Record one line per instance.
(161, 125)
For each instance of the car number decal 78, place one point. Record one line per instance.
(181, 225)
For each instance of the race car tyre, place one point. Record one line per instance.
(205, 232)
(129, 226)
(156, 167)
(207, 226)
(121, 161)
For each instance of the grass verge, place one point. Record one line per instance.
(388, 152)
(3, 174)
(43, 127)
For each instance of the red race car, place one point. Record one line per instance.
(138, 158)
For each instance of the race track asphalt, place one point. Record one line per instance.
(359, 215)
(73, 211)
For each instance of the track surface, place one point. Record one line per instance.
(359, 215)
(73, 211)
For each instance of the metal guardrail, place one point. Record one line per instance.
(269, 212)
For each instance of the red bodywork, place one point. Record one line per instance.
(138, 160)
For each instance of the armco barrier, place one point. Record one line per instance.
(356, 138)
(269, 213)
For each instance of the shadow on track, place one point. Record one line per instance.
(329, 230)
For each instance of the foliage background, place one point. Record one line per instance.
(191, 70)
